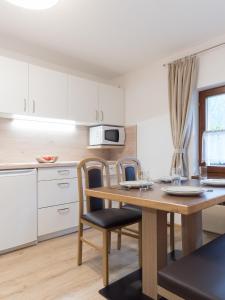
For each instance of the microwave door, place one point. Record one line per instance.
(112, 136)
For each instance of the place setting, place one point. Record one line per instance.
(179, 186)
(212, 182)
(174, 184)
(144, 183)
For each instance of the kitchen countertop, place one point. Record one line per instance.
(36, 165)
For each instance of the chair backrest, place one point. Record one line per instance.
(128, 169)
(92, 172)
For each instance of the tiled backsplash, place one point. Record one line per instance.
(23, 141)
(131, 145)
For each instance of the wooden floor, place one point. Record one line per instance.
(48, 271)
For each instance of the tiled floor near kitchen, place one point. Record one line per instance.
(48, 271)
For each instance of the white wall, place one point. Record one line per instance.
(146, 93)
(154, 145)
(212, 68)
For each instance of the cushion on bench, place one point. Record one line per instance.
(198, 276)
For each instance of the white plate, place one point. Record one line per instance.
(136, 183)
(183, 190)
(213, 182)
(168, 179)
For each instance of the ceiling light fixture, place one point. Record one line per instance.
(34, 4)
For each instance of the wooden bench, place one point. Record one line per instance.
(198, 276)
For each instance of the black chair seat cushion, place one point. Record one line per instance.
(133, 207)
(112, 217)
(198, 276)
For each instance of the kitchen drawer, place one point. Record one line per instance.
(56, 218)
(56, 192)
(56, 173)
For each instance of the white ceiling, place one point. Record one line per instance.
(111, 37)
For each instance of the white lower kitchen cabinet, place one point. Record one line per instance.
(18, 209)
(57, 192)
(56, 219)
(57, 197)
(56, 173)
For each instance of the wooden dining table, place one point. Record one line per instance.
(155, 205)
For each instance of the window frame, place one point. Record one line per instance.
(213, 171)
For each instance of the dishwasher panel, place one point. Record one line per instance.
(18, 208)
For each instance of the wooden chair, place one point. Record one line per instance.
(100, 216)
(129, 169)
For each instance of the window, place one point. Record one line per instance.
(212, 130)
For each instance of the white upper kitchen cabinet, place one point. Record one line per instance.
(13, 86)
(111, 105)
(48, 90)
(83, 100)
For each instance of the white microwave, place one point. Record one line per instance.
(106, 135)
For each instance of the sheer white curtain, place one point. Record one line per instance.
(213, 148)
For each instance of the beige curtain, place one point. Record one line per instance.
(182, 87)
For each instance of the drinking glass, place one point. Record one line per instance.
(145, 176)
(202, 172)
(176, 176)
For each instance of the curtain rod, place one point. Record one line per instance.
(201, 51)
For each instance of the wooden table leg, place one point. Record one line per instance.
(154, 248)
(191, 232)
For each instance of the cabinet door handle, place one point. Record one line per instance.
(63, 185)
(34, 108)
(64, 172)
(96, 115)
(102, 118)
(25, 105)
(63, 211)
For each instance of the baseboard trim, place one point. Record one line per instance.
(33, 243)
(53, 235)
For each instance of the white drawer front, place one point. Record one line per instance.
(57, 192)
(56, 173)
(56, 218)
